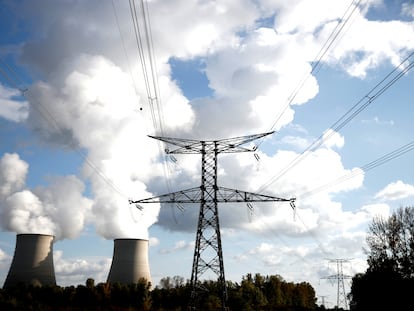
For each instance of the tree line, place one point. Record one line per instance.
(387, 284)
(253, 293)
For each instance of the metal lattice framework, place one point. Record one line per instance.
(341, 299)
(208, 254)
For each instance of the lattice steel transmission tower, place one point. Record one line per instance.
(323, 300)
(208, 253)
(340, 277)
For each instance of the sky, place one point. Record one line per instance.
(83, 84)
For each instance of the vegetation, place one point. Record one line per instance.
(253, 293)
(386, 285)
(389, 280)
(89, 297)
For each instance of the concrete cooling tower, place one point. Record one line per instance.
(32, 262)
(129, 262)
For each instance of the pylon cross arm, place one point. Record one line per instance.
(228, 145)
(224, 195)
(336, 276)
(185, 145)
(233, 145)
(191, 195)
(233, 195)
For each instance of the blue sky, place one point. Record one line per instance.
(75, 147)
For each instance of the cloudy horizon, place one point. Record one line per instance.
(75, 145)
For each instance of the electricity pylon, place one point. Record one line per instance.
(340, 277)
(323, 300)
(208, 253)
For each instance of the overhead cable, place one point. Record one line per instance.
(48, 116)
(17, 83)
(124, 48)
(144, 41)
(318, 59)
(12, 77)
(392, 77)
(363, 169)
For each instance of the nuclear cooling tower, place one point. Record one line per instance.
(129, 262)
(32, 261)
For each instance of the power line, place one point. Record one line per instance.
(371, 96)
(365, 168)
(335, 34)
(144, 42)
(318, 58)
(47, 115)
(12, 77)
(390, 79)
(208, 255)
(145, 46)
(340, 277)
(271, 229)
(124, 47)
(15, 81)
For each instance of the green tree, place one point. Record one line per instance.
(141, 294)
(389, 280)
(304, 296)
(274, 292)
(251, 295)
(90, 283)
(391, 243)
(171, 294)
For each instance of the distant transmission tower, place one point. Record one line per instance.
(208, 254)
(340, 277)
(323, 300)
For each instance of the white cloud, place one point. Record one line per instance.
(153, 241)
(368, 44)
(294, 15)
(376, 210)
(378, 121)
(212, 27)
(273, 254)
(407, 9)
(94, 109)
(395, 191)
(316, 170)
(13, 173)
(77, 271)
(10, 108)
(59, 209)
(333, 139)
(253, 68)
(296, 141)
(179, 245)
(262, 56)
(4, 259)
(90, 94)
